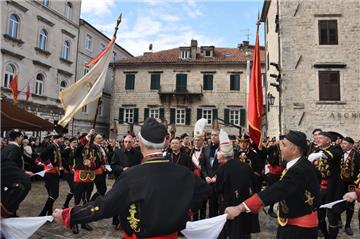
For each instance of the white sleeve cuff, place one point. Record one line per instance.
(247, 209)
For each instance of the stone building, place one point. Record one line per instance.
(312, 58)
(91, 42)
(39, 44)
(181, 85)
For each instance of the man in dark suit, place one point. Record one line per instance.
(208, 169)
(177, 156)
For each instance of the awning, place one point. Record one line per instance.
(14, 117)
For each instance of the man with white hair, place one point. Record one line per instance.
(153, 198)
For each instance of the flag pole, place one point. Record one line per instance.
(118, 21)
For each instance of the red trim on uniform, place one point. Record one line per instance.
(197, 172)
(308, 221)
(357, 191)
(254, 203)
(77, 178)
(169, 236)
(323, 184)
(66, 213)
(276, 169)
(53, 169)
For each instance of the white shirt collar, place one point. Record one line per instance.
(13, 142)
(291, 163)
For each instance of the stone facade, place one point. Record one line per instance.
(304, 58)
(91, 42)
(174, 104)
(41, 65)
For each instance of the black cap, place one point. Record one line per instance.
(57, 136)
(244, 137)
(335, 135)
(184, 135)
(299, 139)
(14, 133)
(327, 134)
(349, 140)
(72, 139)
(153, 131)
(232, 137)
(316, 130)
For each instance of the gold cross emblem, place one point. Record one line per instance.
(309, 199)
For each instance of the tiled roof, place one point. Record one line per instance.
(172, 56)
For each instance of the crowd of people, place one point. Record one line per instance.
(219, 173)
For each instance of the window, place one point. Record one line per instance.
(45, 2)
(84, 109)
(180, 116)
(43, 39)
(208, 82)
(185, 54)
(207, 53)
(235, 82)
(9, 74)
(328, 34)
(13, 26)
(86, 70)
(66, 50)
(181, 82)
(68, 10)
(234, 117)
(154, 113)
(63, 85)
(128, 115)
(207, 114)
(88, 42)
(329, 85)
(39, 84)
(102, 46)
(155, 82)
(130, 82)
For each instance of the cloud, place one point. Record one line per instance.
(96, 7)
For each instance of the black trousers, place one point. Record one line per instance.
(213, 202)
(294, 232)
(14, 192)
(83, 191)
(52, 185)
(69, 177)
(100, 183)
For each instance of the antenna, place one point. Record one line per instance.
(246, 33)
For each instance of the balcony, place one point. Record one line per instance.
(180, 90)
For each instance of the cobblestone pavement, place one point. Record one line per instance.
(104, 229)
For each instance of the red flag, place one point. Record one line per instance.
(27, 91)
(101, 54)
(14, 87)
(255, 101)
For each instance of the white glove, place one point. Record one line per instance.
(312, 157)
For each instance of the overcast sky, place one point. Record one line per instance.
(173, 23)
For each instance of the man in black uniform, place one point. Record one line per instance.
(185, 143)
(175, 155)
(327, 160)
(350, 176)
(51, 158)
(152, 199)
(251, 157)
(15, 182)
(297, 193)
(67, 156)
(235, 181)
(122, 159)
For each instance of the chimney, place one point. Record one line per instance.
(193, 49)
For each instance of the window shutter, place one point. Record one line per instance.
(188, 116)
(121, 115)
(215, 114)
(146, 113)
(172, 115)
(226, 116)
(136, 115)
(162, 113)
(242, 117)
(199, 114)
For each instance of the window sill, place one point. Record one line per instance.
(43, 52)
(331, 102)
(66, 61)
(13, 39)
(38, 96)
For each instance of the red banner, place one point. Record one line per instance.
(14, 87)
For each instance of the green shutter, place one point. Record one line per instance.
(162, 113)
(226, 116)
(215, 113)
(199, 114)
(155, 82)
(188, 116)
(242, 117)
(211, 82)
(235, 82)
(136, 115)
(121, 115)
(130, 82)
(146, 113)
(208, 82)
(181, 82)
(172, 115)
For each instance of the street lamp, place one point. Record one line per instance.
(270, 100)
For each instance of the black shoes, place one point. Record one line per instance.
(75, 229)
(349, 231)
(86, 227)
